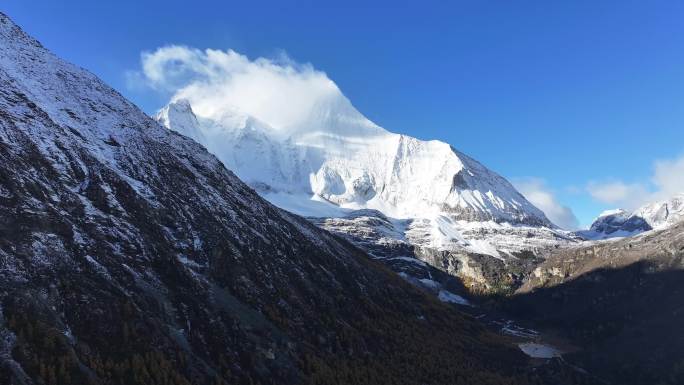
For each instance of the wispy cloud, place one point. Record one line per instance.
(666, 180)
(537, 192)
(278, 91)
(618, 193)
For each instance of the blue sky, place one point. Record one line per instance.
(580, 100)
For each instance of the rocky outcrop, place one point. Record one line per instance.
(477, 273)
(480, 274)
(662, 249)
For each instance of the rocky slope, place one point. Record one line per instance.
(404, 245)
(129, 254)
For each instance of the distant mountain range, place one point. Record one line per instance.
(652, 216)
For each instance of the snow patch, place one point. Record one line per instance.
(449, 297)
(537, 350)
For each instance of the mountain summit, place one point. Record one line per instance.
(339, 156)
(393, 195)
(651, 216)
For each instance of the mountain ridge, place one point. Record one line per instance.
(384, 164)
(619, 223)
(129, 254)
(441, 206)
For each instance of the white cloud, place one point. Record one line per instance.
(667, 180)
(619, 194)
(537, 192)
(668, 176)
(277, 91)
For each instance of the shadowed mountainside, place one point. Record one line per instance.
(621, 302)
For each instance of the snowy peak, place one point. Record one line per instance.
(663, 214)
(178, 116)
(335, 115)
(489, 195)
(613, 213)
(328, 160)
(652, 216)
(616, 223)
(341, 157)
(243, 143)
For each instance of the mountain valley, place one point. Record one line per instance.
(201, 246)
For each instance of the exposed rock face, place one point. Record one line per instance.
(128, 254)
(394, 242)
(665, 248)
(480, 274)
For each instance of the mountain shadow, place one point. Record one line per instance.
(627, 321)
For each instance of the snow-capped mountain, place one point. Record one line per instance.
(336, 162)
(243, 144)
(616, 223)
(652, 216)
(129, 254)
(343, 158)
(663, 214)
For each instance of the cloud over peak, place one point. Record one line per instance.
(277, 91)
(666, 181)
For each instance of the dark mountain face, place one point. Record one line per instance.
(620, 302)
(617, 223)
(629, 224)
(129, 255)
